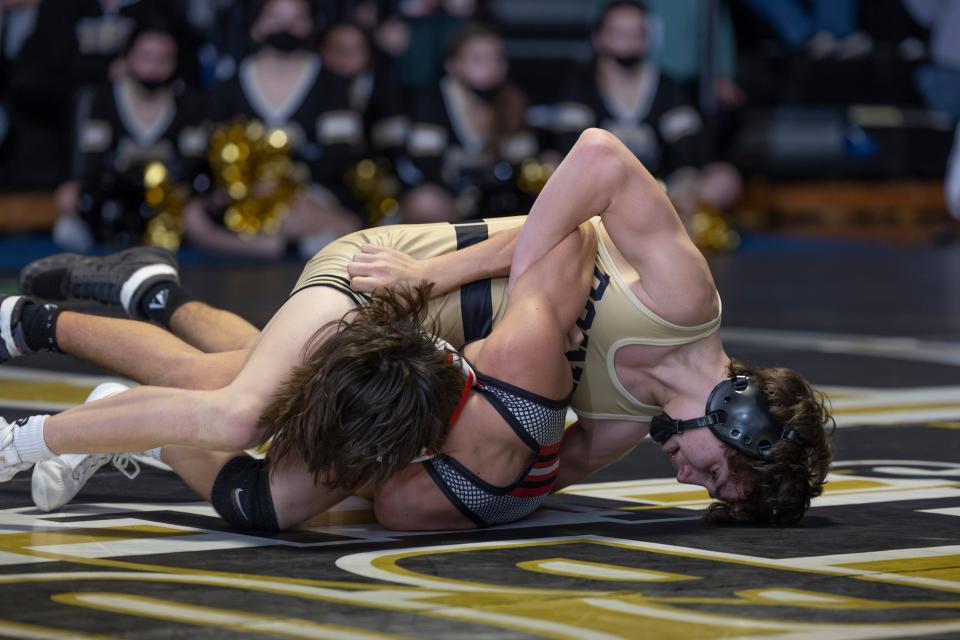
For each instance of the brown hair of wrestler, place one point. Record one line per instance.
(372, 393)
(778, 491)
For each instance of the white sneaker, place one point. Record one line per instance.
(10, 463)
(57, 481)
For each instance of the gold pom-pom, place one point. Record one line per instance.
(253, 166)
(166, 200)
(712, 232)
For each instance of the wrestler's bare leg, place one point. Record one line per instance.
(222, 419)
(295, 496)
(153, 356)
(148, 354)
(212, 330)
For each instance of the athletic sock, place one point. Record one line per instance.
(28, 440)
(39, 322)
(161, 300)
(153, 453)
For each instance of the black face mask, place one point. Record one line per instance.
(487, 95)
(285, 42)
(153, 86)
(628, 62)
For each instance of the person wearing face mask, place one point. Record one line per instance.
(624, 92)
(468, 137)
(137, 119)
(281, 85)
(373, 93)
(72, 47)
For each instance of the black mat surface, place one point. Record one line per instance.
(624, 556)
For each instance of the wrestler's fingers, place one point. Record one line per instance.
(364, 284)
(360, 269)
(364, 257)
(374, 250)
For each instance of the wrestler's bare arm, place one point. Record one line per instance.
(153, 356)
(601, 177)
(379, 267)
(527, 350)
(590, 445)
(296, 498)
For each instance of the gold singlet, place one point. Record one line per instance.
(613, 317)
(465, 315)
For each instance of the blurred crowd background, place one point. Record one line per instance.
(268, 128)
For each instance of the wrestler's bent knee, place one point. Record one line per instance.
(241, 495)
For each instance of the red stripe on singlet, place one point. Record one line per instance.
(531, 480)
(548, 450)
(463, 401)
(543, 464)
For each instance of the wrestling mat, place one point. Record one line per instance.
(623, 556)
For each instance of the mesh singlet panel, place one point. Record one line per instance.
(539, 423)
(482, 503)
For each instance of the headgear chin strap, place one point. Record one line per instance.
(738, 414)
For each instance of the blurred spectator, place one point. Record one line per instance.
(468, 136)
(281, 86)
(17, 19)
(346, 53)
(679, 45)
(953, 179)
(824, 27)
(228, 36)
(133, 121)
(939, 82)
(418, 35)
(74, 44)
(624, 92)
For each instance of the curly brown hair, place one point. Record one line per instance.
(372, 393)
(778, 491)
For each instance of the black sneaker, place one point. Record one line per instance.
(118, 279)
(13, 342)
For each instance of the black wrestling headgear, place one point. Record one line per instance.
(738, 414)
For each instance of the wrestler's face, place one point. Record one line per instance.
(700, 458)
(345, 52)
(283, 16)
(624, 33)
(481, 63)
(153, 57)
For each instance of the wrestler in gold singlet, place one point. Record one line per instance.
(614, 317)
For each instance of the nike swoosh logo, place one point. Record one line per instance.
(236, 503)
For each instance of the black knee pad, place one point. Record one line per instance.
(241, 495)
